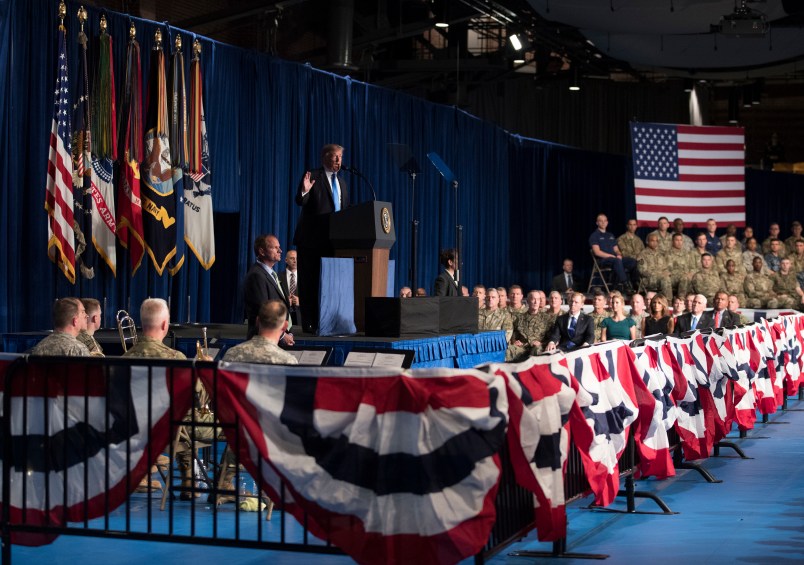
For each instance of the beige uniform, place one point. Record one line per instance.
(630, 245)
(759, 291)
(706, 282)
(735, 255)
(495, 320)
(735, 284)
(597, 319)
(654, 272)
(94, 347)
(527, 329)
(766, 247)
(60, 343)
(785, 288)
(682, 265)
(665, 241)
(259, 350)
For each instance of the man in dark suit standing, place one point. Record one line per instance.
(573, 329)
(695, 319)
(566, 280)
(320, 193)
(262, 283)
(720, 316)
(289, 281)
(445, 283)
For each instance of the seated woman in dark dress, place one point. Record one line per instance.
(660, 321)
(618, 326)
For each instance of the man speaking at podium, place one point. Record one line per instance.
(320, 193)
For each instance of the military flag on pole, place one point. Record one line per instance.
(199, 229)
(178, 147)
(104, 227)
(158, 198)
(59, 194)
(129, 220)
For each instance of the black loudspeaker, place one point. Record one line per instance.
(399, 317)
(793, 7)
(458, 315)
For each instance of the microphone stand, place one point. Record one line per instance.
(458, 241)
(362, 176)
(414, 231)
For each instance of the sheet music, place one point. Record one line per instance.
(389, 360)
(311, 357)
(358, 359)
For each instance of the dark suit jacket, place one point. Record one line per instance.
(584, 331)
(727, 319)
(259, 287)
(684, 322)
(560, 283)
(295, 313)
(445, 285)
(313, 227)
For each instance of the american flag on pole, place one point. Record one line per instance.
(59, 196)
(691, 172)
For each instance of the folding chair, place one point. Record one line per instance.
(599, 273)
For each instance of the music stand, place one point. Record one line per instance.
(405, 161)
(449, 176)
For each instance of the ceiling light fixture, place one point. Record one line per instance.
(574, 85)
(515, 42)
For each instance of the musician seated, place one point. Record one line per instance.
(87, 335)
(264, 347)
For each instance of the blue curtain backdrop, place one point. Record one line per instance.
(524, 204)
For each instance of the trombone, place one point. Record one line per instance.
(127, 329)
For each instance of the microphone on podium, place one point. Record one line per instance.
(362, 176)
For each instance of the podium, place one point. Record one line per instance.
(365, 233)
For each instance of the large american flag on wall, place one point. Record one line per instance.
(691, 172)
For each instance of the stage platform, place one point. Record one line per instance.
(449, 351)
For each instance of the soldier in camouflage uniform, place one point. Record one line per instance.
(773, 259)
(629, 243)
(515, 304)
(599, 313)
(790, 242)
(678, 228)
(682, 264)
(87, 336)
(706, 281)
(494, 318)
(264, 347)
(733, 282)
(638, 313)
(773, 233)
(759, 287)
(529, 331)
(653, 267)
(664, 237)
(750, 253)
(731, 252)
(734, 305)
(69, 318)
(786, 286)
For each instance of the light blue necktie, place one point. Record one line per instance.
(336, 192)
(694, 322)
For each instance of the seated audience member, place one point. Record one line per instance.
(785, 285)
(713, 245)
(732, 281)
(731, 229)
(638, 313)
(720, 317)
(566, 280)
(618, 325)
(652, 267)
(445, 283)
(664, 237)
(503, 294)
(515, 305)
(69, 318)
(604, 247)
(542, 299)
(688, 299)
(573, 329)
(707, 280)
(693, 320)
(797, 261)
(660, 321)
(734, 308)
(700, 245)
(87, 336)
(790, 242)
(748, 233)
(264, 347)
(682, 264)
(405, 292)
(678, 306)
(773, 258)
(492, 317)
(420, 293)
(749, 254)
(773, 233)
(678, 228)
(599, 313)
(759, 287)
(479, 292)
(529, 331)
(629, 243)
(731, 252)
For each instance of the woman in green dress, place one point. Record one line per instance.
(618, 326)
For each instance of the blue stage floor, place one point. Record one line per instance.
(756, 515)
